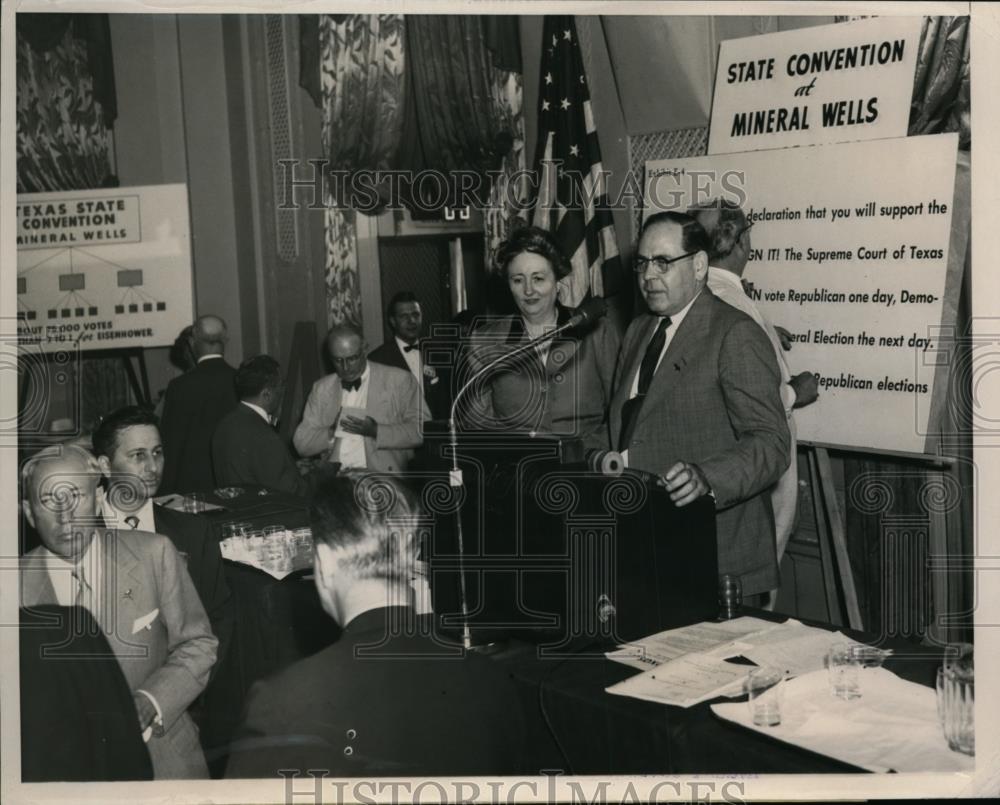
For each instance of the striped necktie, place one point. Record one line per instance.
(84, 593)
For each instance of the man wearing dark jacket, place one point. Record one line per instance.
(403, 351)
(246, 449)
(193, 405)
(129, 450)
(387, 699)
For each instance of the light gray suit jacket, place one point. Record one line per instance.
(158, 630)
(394, 401)
(714, 401)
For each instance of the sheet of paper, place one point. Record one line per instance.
(793, 647)
(346, 411)
(718, 639)
(893, 726)
(684, 681)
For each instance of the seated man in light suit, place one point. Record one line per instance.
(135, 585)
(385, 438)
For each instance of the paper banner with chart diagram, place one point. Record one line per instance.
(104, 269)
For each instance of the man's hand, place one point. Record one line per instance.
(806, 387)
(360, 427)
(784, 337)
(144, 707)
(685, 483)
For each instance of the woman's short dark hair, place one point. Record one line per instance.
(533, 240)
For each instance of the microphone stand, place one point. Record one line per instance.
(455, 475)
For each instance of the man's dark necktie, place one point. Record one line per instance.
(411, 347)
(351, 385)
(630, 411)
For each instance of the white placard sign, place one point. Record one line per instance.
(850, 253)
(828, 84)
(102, 269)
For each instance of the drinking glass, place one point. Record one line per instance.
(765, 687)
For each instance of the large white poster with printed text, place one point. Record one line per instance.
(103, 269)
(826, 84)
(849, 252)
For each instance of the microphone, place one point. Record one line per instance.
(611, 464)
(589, 312)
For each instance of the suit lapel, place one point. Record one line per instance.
(122, 579)
(679, 354)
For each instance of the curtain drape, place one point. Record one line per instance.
(63, 125)
(360, 69)
(510, 192)
(451, 120)
(941, 101)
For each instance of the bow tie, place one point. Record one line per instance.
(747, 286)
(351, 385)
(411, 347)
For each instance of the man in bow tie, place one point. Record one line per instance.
(130, 454)
(696, 399)
(246, 449)
(136, 587)
(366, 414)
(403, 350)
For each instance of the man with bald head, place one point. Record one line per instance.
(365, 415)
(136, 587)
(696, 399)
(193, 406)
(729, 234)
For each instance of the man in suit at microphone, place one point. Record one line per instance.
(697, 399)
(364, 416)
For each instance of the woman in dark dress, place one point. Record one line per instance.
(561, 388)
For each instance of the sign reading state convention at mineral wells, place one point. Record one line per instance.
(829, 84)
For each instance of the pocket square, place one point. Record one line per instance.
(145, 622)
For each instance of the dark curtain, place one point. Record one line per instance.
(439, 112)
(450, 121)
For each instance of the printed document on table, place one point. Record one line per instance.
(684, 682)
(793, 647)
(717, 639)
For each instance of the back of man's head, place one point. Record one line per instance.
(108, 433)
(255, 375)
(370, 521)
(209, 336)
(725, 223)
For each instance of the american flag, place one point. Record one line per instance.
(572, 197)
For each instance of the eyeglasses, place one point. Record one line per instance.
(348, 360)
(659, 262)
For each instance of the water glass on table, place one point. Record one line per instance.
(844, 666)
(194, 503)
(956, 697)
(765, 688)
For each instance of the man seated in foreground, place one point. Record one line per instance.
(141, 596)
(389, 698)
